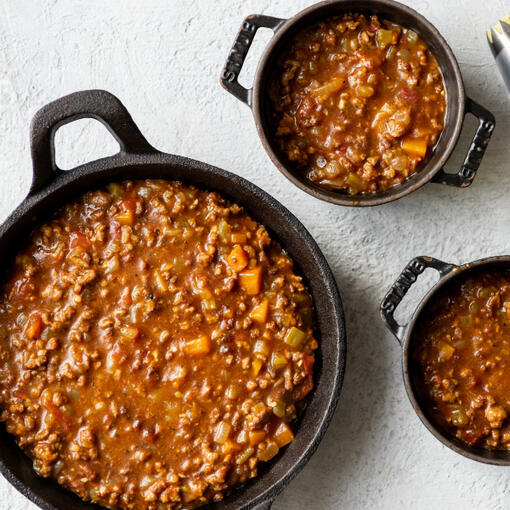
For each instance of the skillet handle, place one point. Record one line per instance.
(239, 51)
(404, 282)
(94, 104)
(467, 172)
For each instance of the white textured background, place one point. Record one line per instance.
(163, 59)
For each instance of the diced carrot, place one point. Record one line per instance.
(251, 280)
(198, 346)
(256, 436)
(230, 447)
(79, 240)
(125, 218)
(238, 238)
(283, 435)
(237, 259)
(34, 326)
(259, 312)
(256, 366)
(416, 146)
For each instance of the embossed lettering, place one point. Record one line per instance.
(402, 285)
(477, 150)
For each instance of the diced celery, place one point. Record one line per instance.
(224, 230)
(446, 351)
(383, 37)
(116, 190)
(278, 361)
(294, 337)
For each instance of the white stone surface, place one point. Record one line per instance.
(163, 58)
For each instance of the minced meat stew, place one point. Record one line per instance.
(358, 103)
(463, 355)
(155, 345)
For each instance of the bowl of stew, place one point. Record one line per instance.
(170, 336)
(358, 103)
(456, 354)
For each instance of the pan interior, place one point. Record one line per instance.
(387, 10)
(412, 371)
(281, 225)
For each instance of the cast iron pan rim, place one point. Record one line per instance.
(100, 168)
(433, 428)
(417, 180)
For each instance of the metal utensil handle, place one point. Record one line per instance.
(95, 104)
(467, 172)
(239, 51)
(403, 283)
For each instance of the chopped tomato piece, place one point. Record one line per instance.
(409, 95)
(128, 205)
(114, 230)
(308, 363)
(118, 355)
(24, 287)
(79, 240)
(305, 388)
(59, 416)
(127, 212)
(125, 298)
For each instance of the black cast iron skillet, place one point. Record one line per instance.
(52, 188)
(448, 276)
(458, 105)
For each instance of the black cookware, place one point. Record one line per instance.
(457, 103)
(52, 188)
